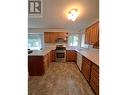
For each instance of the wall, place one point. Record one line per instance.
(80, 33)
(39, 30)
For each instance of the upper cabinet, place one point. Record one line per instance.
(51, 37)
(92, 34)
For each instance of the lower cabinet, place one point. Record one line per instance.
(38, 65)
(91, 72)
(53, 55)
(94, 80)
(86, 66)
(71, 56)
(35, 65)
(46, 61)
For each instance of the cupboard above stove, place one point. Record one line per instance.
(51, 37)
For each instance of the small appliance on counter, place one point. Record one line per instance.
(29, 51)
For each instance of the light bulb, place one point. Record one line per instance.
(69, 16)
(73, 14)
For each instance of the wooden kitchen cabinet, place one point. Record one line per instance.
(87, 35)
(92, 34)
(35, 65)
(53, 56)
(46, 61)
(96, 45)
(86, 67)
(38, 65)
(71, 56)
(94, 79)
(91, 73)
(47, 37)
(51, 37)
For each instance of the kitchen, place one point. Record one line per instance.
(54, 42)
(63, 79)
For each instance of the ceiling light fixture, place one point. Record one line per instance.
(73, 14)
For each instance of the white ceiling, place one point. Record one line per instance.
(55, 14)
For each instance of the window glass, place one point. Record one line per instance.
(73, 40)
(34, 41)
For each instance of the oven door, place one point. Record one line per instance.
(60, 55)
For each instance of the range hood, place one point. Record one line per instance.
(60, 40)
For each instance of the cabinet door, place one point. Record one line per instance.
(53, 55)
(71, 56)
(86, 67)
(94, 79)
(51, 37)
(92, 34)
(87, 36)
(47, 61)
(35, 65)
(47, 37)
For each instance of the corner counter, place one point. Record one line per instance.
(91, 54)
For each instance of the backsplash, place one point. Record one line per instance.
(54, 44)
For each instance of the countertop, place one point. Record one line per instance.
(91, 53)
(42, 52)
(60, 79)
